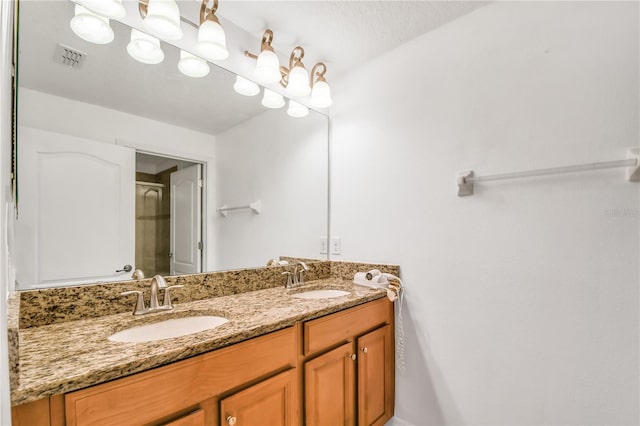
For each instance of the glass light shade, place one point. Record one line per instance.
(321, 95)
(212, 43)
(192, 66)
(272, 99)
(163, 19)
(112, 9)
(298, 84)
(267, 68)
(297, 110)
(245, 87)
(145, 48)
(90, 26)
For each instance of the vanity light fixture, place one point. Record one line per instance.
(212, 42)
(320, 90)
(267, 69)
(192, 66)
(90, 26)
(161, 18)
(145, 48)
(245, 87)
(297, 110)
(296, 78)
(272, 100)
(112, 9)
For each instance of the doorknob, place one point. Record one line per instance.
(125, 268)
(170, 255)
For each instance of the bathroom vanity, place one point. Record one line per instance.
(280, 360)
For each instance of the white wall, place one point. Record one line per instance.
(522, 300)
(281, 161)
(61, 115)
(6, 24)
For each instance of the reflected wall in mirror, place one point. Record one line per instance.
(122, 163)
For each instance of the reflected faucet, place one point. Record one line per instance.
(137, 274)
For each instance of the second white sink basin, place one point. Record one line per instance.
(320, 294)
(167, 329)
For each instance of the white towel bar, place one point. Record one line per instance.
(256, 207)
(466, 178)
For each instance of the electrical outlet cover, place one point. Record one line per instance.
(336, 245)
(324, 249)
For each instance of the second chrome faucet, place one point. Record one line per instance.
(296, 277)
(157, 283)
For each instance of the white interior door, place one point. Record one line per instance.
(186, 221)
(76, 210)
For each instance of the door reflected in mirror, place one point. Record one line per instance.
(124, 163)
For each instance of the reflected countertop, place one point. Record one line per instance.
(63, 357)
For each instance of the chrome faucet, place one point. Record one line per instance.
(298, 277)
(157, 283)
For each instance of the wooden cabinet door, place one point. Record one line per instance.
(272, 402)
(375, 377)
(329, 388)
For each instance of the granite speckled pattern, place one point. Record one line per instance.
(55, 305)
(13, 315)
(346, 270)
(70, 355)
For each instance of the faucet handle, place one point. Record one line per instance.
(139, 308)
(289, 281)
(166, 302)
(300, 277)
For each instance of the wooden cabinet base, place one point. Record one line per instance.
(333, 370)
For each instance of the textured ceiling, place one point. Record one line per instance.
(343, 34)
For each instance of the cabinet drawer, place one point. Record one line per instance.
(151, 395)
(324, 332)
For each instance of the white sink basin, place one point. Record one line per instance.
(167, 329)
(321, 294)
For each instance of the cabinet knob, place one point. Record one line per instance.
(365, 350)
(231, 420)
(353, 356)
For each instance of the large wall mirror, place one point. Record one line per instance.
(123, 163)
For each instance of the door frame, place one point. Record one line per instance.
(208, 195)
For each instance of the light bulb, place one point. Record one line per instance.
(297, 110)
(192, 66)
(321, 95)
(90, 26)
(163, 19)
(145, 48)
(298, 83)
(245, 87)
(272, 99)
(212, 41)
(112, 9)
(267, 68)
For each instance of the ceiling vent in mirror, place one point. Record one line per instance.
(68, 56)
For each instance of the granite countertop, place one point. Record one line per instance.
(67, 356)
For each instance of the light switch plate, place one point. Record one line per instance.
(336, 245)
